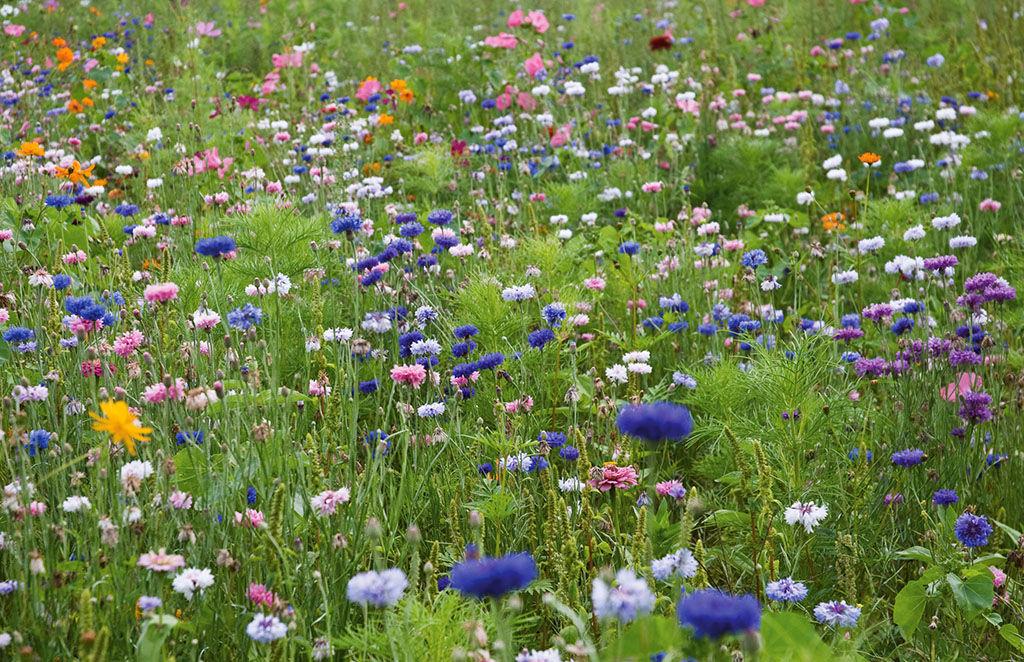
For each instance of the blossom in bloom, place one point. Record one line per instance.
(191, 580)
(837, 614)
(713, 614)
(410, 375)
(808, 514)
(121, 424)
(493, 577)
(161, 561)
(611, 477)
(680, 562)
(380, 589)
(160, 292)
(326, 503)
(266, 628)
(624, 599)
(786, 590)
(659, 421)
(972, 530)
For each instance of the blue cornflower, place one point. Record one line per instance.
(18, 334)
(380, 589)
(945, 497)
(552, 439)
(368, 387)
(59, 201)
(753, 259)
(659, 421)
(440, 217)
(196, 437)
(629, 248)
(346, 223)
(490, 361)
(126, 209)
(61, 282)
(216, 246)
(540, 337)
(410, 229)
(972, 530)
(837, 614)
(569, 453)
(466, 331)
(553, 314)
(494, 577)
(250, 496)
(902, 325)
(908, 457)
(714, 614)
(786, 590)
(38, 440)
(245, 317)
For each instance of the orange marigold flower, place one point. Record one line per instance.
(398, 85)
(89, 83)
(99, 42)
(65, 56)
(58, 42)
(31, 148)
(122, 58)
(74, 107)
(75, 173)
(406, 95)
(870, 158)
(385, 119)
(121, 424)
(833, 221)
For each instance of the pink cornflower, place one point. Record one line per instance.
(612, 476)
(127, 343)
(161, 292)
(671, 488)
(250, 519)
(326, 503)
(74, 257)
(534, 65)
(596, 283)
(261, 595)
(180, 500)
(988, 204)
(411, 375)
(161, 561)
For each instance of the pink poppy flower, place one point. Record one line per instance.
(534, 65)
(208, 29)
(501, 40)
(965, 383)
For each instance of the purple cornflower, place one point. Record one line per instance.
(972, 530)
(976, 407)
(908, 457)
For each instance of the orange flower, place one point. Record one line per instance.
(398, 85)
(121, 424)
(406, 96)
(59, 43)
(99, 42)
(65, 56)
(870, 158)
(74, 107)
(385, 119)
(122, 58)
(31, 148)
(75, 173)
(833, 221)
(89, 83)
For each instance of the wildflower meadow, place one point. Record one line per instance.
(572, 330)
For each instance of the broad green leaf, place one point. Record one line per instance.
(1011, 634)
(972, 594)
(791, 637)
(644, 637)
(909, 608)
(151, 641)
(1013, 533)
